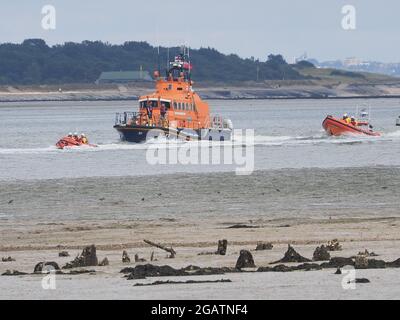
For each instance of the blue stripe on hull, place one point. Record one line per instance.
(139, 134)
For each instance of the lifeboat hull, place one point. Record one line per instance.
(336, 127)
(70, 142)
(138, 134)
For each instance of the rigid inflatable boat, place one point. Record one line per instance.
(339, 127)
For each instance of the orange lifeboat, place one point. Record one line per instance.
(68, 141)
(174, 109)
(339, 127)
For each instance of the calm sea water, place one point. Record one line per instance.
(288, 135)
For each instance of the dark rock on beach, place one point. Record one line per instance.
(156, 283)
(82, 271)
(13, 273)
(127, 270)
(359, 280)
(278, 268)
(321, 254)
(338, 262)
(63, 254)
(292, 255)
(362, 262)
(7, 259)
(197, 271)
(394, 264)
(285, 268)
(87, 258)
(149, 270)
(308, 267)
(264, 246)
(245, 260)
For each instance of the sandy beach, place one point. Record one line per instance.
(199, 154)
(372, 222)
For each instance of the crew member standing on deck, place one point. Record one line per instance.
(163, 110)
(149, 109)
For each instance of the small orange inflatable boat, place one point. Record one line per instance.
(339, 127)
(71, 142)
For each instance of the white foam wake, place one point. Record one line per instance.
(237, 140)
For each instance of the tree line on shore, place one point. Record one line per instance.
(34, 62)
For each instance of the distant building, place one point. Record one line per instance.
(349, 62)
(123, 77)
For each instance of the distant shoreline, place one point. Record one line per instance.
(223, 99)
(273, 90)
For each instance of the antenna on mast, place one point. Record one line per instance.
(167, 58)
(158, 59)
(190, 64)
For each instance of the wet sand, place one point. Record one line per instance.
(305, 208)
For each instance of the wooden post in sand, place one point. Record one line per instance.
(222, 246)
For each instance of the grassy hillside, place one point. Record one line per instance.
(335, 75)
(34, 62)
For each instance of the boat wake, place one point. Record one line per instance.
(319, 138)
(6, 151)
(394, 134)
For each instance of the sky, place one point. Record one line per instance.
(247, 28)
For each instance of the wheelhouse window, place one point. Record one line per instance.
(166, 104)
(154, 104)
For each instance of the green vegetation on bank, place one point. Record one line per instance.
(34, 62)
(329, 75)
